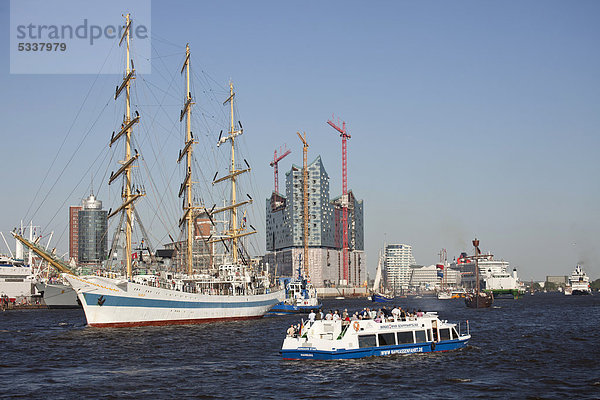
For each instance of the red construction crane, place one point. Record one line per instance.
(344, 137)
(284, 152)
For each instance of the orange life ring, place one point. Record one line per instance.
(356, 325)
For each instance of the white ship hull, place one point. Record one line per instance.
(116, 303)
(58, 295)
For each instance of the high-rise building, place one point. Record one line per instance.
(398, 259)
(74, 233)
(285, 230)
(92, 239)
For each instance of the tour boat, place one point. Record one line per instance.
(337, 339)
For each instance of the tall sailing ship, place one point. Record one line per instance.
(232, 290)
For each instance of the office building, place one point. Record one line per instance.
(92, 238)
(285, 230)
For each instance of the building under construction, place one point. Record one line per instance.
(285, 230)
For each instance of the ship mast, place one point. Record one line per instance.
(234, 232)
(126, 165)
(188, 216)
(477, 254)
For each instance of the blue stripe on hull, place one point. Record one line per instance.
(125, 301)
(312, 354)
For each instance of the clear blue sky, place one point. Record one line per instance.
(468, 118)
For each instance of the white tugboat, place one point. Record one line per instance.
(300, 296)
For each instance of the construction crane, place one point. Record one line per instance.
(344, 137)
(283, 152)
(305, 200)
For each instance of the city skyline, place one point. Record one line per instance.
(468, 119)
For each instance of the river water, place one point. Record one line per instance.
(543, 346)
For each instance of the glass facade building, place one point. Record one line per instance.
(93, 223)
(285, 229)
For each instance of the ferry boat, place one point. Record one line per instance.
(580, 282)
(300, 296)
(332, 340)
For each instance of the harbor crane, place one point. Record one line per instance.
(344, 135)
(305, 199)
(283, 152)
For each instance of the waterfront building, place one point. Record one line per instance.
(92, 238)
(285, 230)
(397, 261)
(560, 280)
(74, 233)
(429, 277)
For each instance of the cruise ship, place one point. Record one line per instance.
(580, 283)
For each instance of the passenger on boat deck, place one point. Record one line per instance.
(291, 331)
(419, 313)
(354, 316)
(346, 320)
(329, 316)
(319, 315)
(402, 314)
(312, 316)
(345, 314)
(336, 316)
(395, 312)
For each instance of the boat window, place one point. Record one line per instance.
(454, 333)
(445, 334)
(366, 341)
(386, 339)
(420, 337)
(405, 337)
